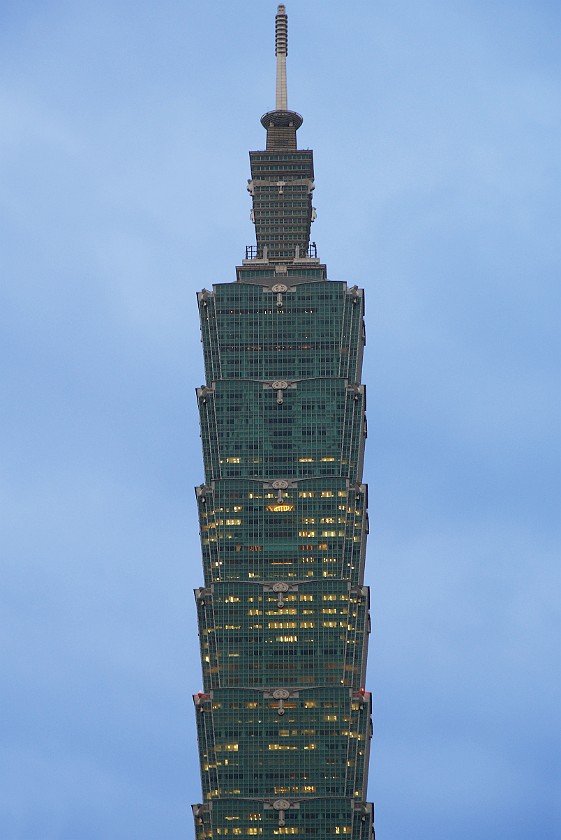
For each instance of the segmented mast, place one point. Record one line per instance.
(281, 51)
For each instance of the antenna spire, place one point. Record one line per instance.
(281, 51)
(281, 124)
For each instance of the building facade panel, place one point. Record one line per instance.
(314, 528)
(283, 633)
(243, 733)
(254, 332)
(300, 428)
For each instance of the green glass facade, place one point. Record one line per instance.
(283, 720)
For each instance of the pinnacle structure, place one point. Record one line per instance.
(283, 719)
(281, 51)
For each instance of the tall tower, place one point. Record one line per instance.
(283, 721)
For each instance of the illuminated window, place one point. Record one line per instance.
(282, 625)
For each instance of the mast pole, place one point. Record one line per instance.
(281, 51)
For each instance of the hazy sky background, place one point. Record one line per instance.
(125, 128)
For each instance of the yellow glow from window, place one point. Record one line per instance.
(284, 508)
(282, 747)
(282, 625)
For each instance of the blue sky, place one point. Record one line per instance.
(123, 164)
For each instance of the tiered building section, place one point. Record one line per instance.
(284, 721)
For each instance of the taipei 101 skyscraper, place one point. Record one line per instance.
(283, 720)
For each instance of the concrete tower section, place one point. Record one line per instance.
(283, 721)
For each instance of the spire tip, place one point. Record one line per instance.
(281, 51)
